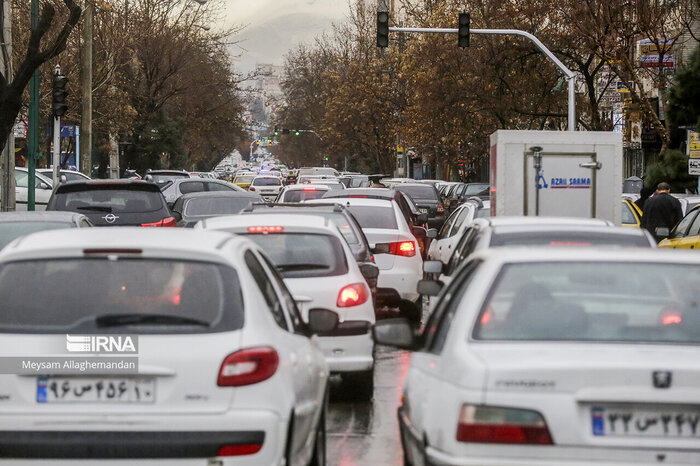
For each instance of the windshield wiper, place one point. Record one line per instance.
(96, 208)
(118, 320)
(302, 266)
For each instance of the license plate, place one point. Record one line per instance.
(423, 211)
(95, 390)
(668, 423)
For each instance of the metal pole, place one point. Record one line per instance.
(33, 119)
(8, 153)
(86, 85)
(56, 149)
(570, 75)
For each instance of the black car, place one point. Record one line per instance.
(16, 224)
(463, 191)
(346, 223)
(427, 199)
(192, 207)
(114, 202)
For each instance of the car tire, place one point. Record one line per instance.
(319, 457)
(410, 310)
(360, 384)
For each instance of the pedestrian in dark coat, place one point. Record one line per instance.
(661, 212)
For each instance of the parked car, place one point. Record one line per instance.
(227, 371)
(43, 187)
(175, 188)
(114, 202)
(554, 357)
(190, 208)
(17, 224)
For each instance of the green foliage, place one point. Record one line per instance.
(684, 102)
(161, 144)
(673, 169)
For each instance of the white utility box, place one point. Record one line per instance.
(556, 173)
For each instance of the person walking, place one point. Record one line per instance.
(661, 212)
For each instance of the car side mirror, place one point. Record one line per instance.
(62, 179)
(381, 248)
(322, 320)
(395, 332)
(369, 271)
(433, 267)
(148, 178)
(429, 287)
(44, 186)
(432, 233)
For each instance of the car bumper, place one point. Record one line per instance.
(348, 353)
(125, 440)
(403, 280)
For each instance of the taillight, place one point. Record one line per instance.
(239, 450)
(353, 295)
(486, 424)
(403, 248)
(265, 229)
(166, 222)
(309, 189)
(251, 188)
(248, 366)
(440, 209)
(670, 316)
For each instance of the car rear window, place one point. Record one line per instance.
(163, 178)
(474, 189)
(12, 230)
(298, 195)
(108, 199)
(155, 292)
(243, 179)
(266, 182)
(335, 186)
(593, 301)
(382, 218)
(216, 206)
(426, 193)
(567, 238)
(301, 255)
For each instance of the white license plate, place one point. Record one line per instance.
(95, 390)
(423, 211)
(668, 423)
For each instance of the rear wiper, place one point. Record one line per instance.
(117, 320)
(302, 266)
(96, 208)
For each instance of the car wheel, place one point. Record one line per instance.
(410, 310)
(361, 384)
(319, 458)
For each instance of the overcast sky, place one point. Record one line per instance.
(275, 26)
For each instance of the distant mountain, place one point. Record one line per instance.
(269, 41)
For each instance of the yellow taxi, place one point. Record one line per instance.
(631, 214)
(685, 235)
(243, 181)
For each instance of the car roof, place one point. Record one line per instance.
(182, 243)
(357, 201)
(41, 216)
(121, 182)
(384, 193)
(588, 254)
(300, 222)
(301, 187)
(507, 221)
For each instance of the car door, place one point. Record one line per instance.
(42, 191)
(305, 357)
(467, 212)
(691, 238)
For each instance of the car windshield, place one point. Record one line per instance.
(303, 255)
(12, 230)
(109, 200)
(153, 295)
(267, 182)
(211, 206)
(374, 217)
(298, 195)
(593, 301)
(567, 238)
(419, 193)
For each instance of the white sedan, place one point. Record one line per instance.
(557, 357)
(182, 347)
(442, 247)
(43, 187)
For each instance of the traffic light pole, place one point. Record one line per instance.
(570, 76)
(33, 119)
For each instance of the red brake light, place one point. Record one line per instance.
(485, 424)
(670, 317)
(166, 222)
(251, 188)
(265, 229)
(403, 248)
(239, 450)
(309, 189)
(248, 366)
(353, 295)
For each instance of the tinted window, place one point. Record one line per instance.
(219, 187)
(374, 217)
(566, 238)
(304, 255)
(171, 289)
(191, 187)
(11, 230)
(108, 200)
(298, 195)
(216, 205)
(593, 301)
(267, 182)
(418, 192)
(474, 189)
(162, 178)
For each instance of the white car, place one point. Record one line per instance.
(566, 357)
(43, 187)
(319, 268)
(268, 186)
(217, 365)
(298, 192)
(395, 251)
(443, 245)
(71, 175)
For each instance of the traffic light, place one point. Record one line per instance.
(463, 30)
(296, 133)
(382, 29)
(276, 131)
(58, 102)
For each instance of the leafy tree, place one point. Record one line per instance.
(672, 168)
(684, 107)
